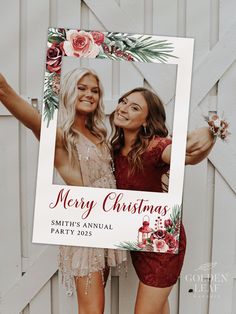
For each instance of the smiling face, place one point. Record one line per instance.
(131, 112)
(88, 94)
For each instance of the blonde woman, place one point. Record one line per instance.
(81, 158)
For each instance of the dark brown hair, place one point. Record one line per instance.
(156, 119)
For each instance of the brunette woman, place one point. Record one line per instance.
(142, 151)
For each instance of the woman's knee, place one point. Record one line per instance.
(152, 300)
(90, 294)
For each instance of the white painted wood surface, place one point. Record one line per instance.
(28, 272)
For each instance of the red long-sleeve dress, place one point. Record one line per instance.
(153, 269)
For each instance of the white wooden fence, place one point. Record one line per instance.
(29, 283)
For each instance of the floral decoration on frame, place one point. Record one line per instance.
(163, 238)
(95, 44)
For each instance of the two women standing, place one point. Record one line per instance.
(140, 146)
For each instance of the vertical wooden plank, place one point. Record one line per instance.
(33, 48)
(214, 27)
(226, 105)
(234, 299)
(226, 101)
(195, 192)
(194, 204)
(67, 304)
(41, 303)
(54, 294)
(69, 13)
(23, 48)
(109, 296)
(37, 25)
(226, 18)
(9, 52)
(223, 247)
(208, 212)
(226, 86)
(197, 11)
(181, 18)
(9, 148)
(148, 17)
(137, 8)
(10, 262)
(53, 11)
(127, 290)
(28, 166)
(165, 21)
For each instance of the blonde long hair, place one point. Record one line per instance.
(67, 110)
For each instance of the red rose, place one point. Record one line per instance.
(106, 48)
(159, 234)
(168, 223)
(119, 53)
(98, 37)
(130, 58)
(54, 58)
(171, 242)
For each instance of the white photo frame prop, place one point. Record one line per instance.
(87, 216)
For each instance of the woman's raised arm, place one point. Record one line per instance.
(22, 110)
(199, 145)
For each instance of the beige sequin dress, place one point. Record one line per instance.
(96, 170)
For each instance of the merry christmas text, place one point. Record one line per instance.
(111, 203)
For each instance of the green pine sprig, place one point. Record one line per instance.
(56, 35)
(142, 48)
(50, 99)
(131, 246)
(175, 217)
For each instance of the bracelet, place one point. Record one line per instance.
(218, 126)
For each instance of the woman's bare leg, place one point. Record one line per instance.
(166, 308)
(151, 300)
(90, 295)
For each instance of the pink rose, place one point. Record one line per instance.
(98, 37)
(160, 246)
(80, 43)
(54, 58)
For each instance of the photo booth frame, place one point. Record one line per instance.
(86, 216)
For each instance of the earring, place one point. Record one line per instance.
(145, 130)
